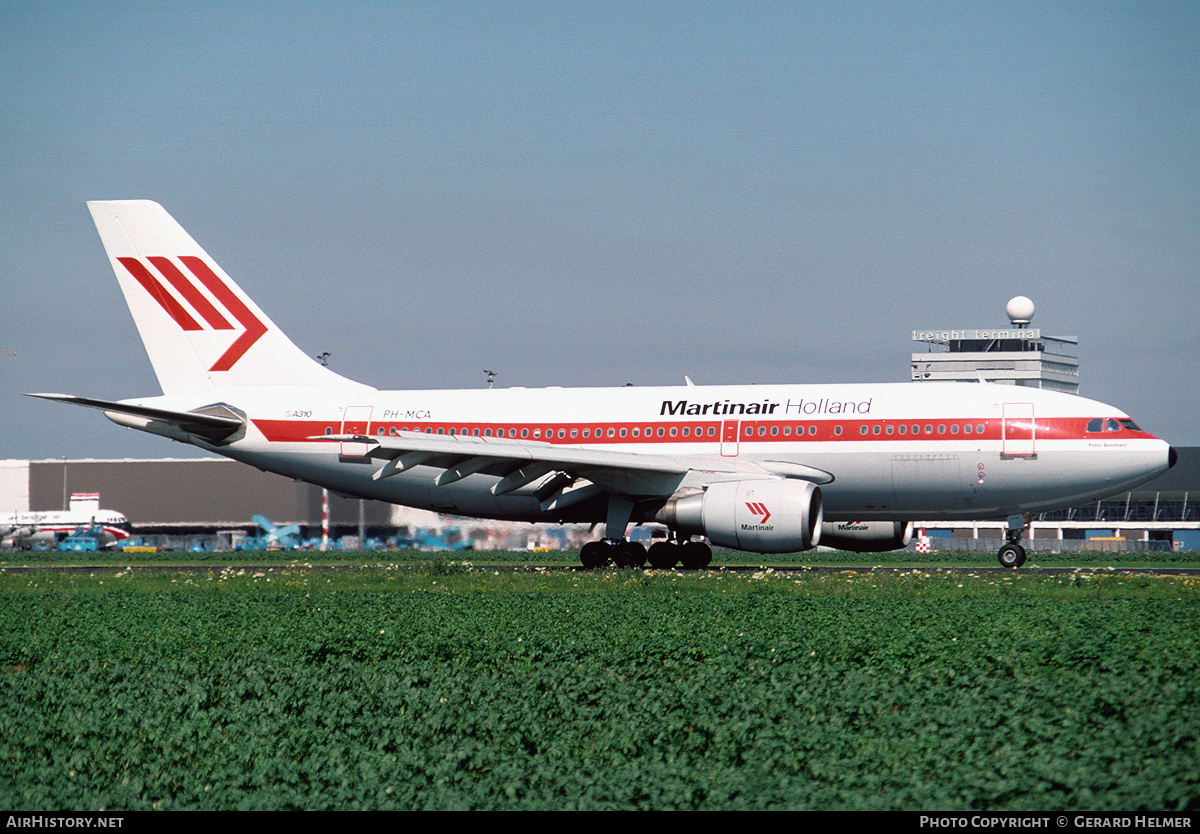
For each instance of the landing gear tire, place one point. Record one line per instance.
(595, 554)
(1011, 555)
(695, 555)
(663, 555)
(629, 554)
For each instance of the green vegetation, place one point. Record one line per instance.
(430, 685)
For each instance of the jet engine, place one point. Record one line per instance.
(768, 516)
(866, 536)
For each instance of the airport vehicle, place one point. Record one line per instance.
(83, 540)
(25, 530)
(762, 468)
(273, 536)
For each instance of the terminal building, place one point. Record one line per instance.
(173, 501)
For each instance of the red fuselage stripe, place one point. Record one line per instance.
(748, 431)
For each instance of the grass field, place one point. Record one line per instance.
(430, 685)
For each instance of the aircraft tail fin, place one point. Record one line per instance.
(202, 332)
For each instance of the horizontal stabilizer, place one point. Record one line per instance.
(215, 428)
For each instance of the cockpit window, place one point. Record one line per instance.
(1097, 424)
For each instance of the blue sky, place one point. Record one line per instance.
(601, 193)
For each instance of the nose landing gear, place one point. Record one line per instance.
(1011, 553)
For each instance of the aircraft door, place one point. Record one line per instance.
(1019, 434)
(355, 420)
(730, 437)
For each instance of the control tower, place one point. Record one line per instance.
(1016, 355)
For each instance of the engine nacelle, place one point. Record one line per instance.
(769, 516)
(866, 536)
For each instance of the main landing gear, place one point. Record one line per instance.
(662, 555)
(621, 552)
(626, 554)
(687, 554)
(1011, 554)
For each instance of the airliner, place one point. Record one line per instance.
(774, 468)
(25, 530)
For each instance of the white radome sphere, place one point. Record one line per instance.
(1020, 310)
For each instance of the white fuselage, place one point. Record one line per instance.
(892, 451)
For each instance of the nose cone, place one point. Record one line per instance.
(1172, 457)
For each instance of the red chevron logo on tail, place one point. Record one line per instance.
(190, 295)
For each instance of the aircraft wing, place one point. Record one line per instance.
(522, 462)
(215, 423)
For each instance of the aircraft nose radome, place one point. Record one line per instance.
(1172, 456)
